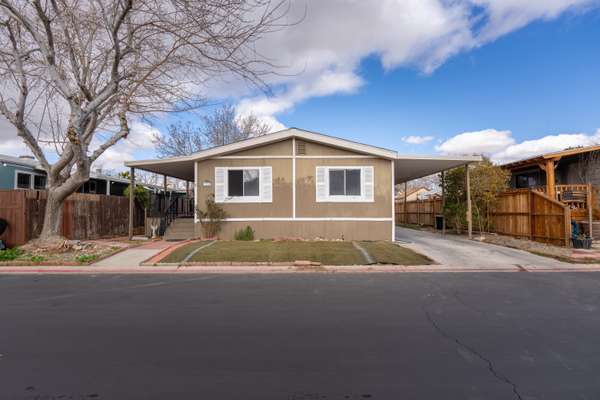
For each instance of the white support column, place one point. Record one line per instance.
(469, 207)
(293, 178)
(108, 187)
(131, 203)
(393, 201)
(195, 191)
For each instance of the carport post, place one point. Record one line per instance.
(443, 202)
(165, 192)
(469, 208)
(405, 209)
(131, 203)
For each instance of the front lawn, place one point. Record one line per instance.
(390, 253)
(268, 251)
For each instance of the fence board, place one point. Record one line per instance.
(85, 216)
(523, 214)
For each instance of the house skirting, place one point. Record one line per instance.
(334, 229)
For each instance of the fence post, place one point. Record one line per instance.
(531, 211)
(590, 210)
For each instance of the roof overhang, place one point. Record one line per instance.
(408, 168)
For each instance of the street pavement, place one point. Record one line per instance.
(300, 336)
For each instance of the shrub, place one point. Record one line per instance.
(85, 258)
(10, 254)
(37, 259)
(211, 219)
(246, 233)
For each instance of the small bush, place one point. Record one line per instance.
(86, 258)
(10, 254)
(37, 259)
(212, 219)
(246, 233)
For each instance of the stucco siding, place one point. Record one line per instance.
(280, 207)
(283, 148)
(307, 206)
(334, 230)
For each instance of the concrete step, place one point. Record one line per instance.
(180, 229)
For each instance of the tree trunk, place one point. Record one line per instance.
(51, 230)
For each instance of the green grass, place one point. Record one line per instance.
(390, 253)
(179, 254)
(327, 253)
(324, 252)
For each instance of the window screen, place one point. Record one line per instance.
(243, 182)
(344, 182)
(39, 182)
(23, 181)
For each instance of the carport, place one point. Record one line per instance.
(409, 167)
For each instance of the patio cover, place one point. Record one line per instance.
(408, 168)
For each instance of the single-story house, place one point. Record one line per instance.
(25, 172)
(296, 183)
(571, 176)
(417, 193)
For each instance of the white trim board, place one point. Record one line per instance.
(301, 219)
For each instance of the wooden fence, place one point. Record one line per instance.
(85, 216)
(526, 214)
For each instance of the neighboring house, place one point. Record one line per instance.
(418, 193)
(571, 176)
(25, 172)
(295, 183)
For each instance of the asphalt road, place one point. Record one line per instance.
(458, 251)
(301, 336)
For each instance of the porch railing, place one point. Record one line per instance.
(179, 207)
(577, 197)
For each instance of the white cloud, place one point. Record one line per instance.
(413, 139)
(546, 144)
(322, 53)
(501, 147)
(487, 141)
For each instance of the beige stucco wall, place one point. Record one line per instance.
(306, 204)
(335, 230)
(282, 187)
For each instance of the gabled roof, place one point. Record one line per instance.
(548, 156)
(406, 167)
(272, 138)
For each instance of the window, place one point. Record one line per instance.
(345, 184)
(39, 182)
(243, 185)
(243, 182)
(23, 181)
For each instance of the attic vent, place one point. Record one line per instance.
(300, 148)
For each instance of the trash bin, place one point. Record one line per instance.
(439, 222)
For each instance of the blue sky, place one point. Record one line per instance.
(504, 78)
(541, 80)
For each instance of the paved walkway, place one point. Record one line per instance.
(134, 256)
(451, 250)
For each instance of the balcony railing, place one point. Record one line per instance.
(577, 197)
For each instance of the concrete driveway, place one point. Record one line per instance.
(458, 251)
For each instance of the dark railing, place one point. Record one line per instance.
(178, 207)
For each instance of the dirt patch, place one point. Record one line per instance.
(70, 253)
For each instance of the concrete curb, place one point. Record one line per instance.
(285, 269)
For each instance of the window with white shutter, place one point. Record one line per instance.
(243, 184)
(345, 184)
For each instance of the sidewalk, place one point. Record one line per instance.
(132, 269)
(134, 256)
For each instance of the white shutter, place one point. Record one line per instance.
(220, 183)
(321, 184)
(266, 183)
(369, 183)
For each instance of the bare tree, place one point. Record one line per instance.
(588, 166)
(221, 127)
(74, 73)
